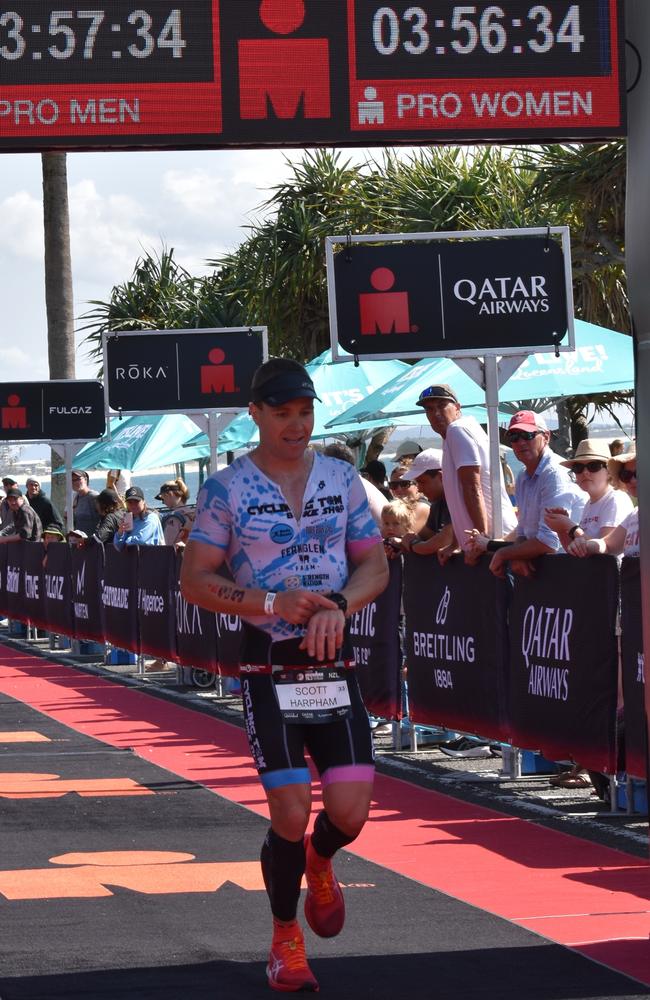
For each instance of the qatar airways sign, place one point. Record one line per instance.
(66, 410)
(450, 294)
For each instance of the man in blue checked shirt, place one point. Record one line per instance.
(543, 484)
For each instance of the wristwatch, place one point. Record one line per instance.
(572, 531)
(340, 601)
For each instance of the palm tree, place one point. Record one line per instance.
(160, 295)
(58, 287)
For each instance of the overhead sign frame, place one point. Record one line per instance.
(175, 376)
(565, 342)
(237, 73)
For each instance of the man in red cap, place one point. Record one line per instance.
(542, 484)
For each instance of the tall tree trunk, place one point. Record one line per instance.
(58, 287)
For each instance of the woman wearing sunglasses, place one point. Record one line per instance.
(624, 538)
(606, 507)
(404, 488)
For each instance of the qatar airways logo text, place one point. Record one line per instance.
(503, 296)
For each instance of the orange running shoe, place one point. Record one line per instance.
(324, 904)
(288, 970)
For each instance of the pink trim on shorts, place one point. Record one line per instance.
(348, 772)
(356, 548)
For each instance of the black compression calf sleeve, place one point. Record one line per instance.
(327, 839)
(283, 865)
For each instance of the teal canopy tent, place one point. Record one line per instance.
(142, 442)
(602, 362)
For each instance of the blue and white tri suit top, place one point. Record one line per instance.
(244, 513)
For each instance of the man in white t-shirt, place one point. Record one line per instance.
(465, 470)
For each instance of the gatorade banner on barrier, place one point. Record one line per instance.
(196, 632)
(633, 669)
(87, 566)
(456, 646)
(120, 598)
(33, 584)
(57, 580)
(374, 633)
(3, 581)
(15, 604)
(156, 601)
(564, 660)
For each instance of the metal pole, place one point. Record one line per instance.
(213, 438)
(69, 451)
(637, 222)
(492, 405)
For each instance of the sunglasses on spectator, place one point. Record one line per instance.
(514, 436)
(398, 484)
(627, 475)
(595, 466)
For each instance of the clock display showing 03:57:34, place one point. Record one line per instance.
(86, 35)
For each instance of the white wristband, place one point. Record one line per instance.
(269, 602)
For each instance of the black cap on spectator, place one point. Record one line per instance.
(14, 492)
(134, 493)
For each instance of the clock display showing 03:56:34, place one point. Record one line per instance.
(81, 44)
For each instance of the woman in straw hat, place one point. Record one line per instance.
(606, 507)
(624, 538)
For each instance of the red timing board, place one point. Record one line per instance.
(307, 72)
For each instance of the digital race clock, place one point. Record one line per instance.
(121, 43)
(307, 72)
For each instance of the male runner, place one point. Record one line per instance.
(288, 522)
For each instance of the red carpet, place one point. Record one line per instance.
(571, 891)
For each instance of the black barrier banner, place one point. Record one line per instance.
(3, 581)
(456, 646)
(120, 598)
(564, 660)
(196, 632)
(374, 633)
(229, 637)
(15, 603)
(633, 669)
(156, 601)
(57, 579)
(33, 584)
(87, 567)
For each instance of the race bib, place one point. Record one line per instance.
(314, 695)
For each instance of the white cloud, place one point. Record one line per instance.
(21, 226)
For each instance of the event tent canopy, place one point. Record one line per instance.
(602, 362)
(141, 442)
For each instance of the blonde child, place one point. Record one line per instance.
(397, 518)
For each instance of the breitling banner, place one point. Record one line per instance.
(636, 750)
(456, 645)
(564, 660)
(374, 633)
